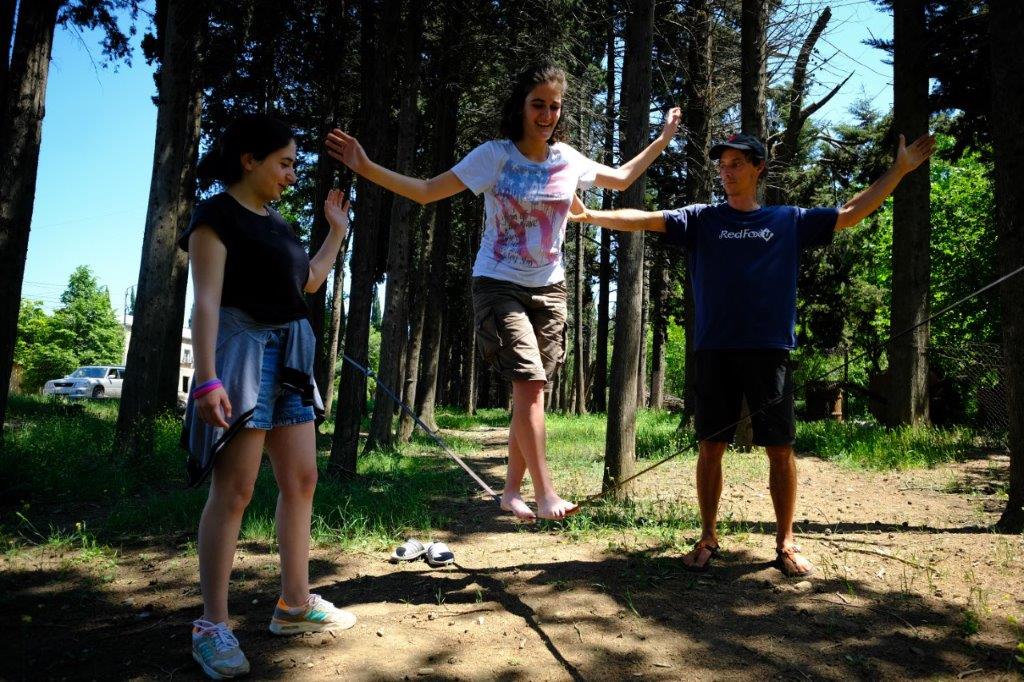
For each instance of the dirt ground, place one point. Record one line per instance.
(910, 583)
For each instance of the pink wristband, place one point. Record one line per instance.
(206, 387)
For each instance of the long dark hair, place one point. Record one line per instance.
(511, 125)
(256, 134)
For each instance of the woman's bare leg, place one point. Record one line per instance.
(531, 437)
(511, 496)
(292, 451)
(234, 477)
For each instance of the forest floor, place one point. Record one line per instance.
(910, 582)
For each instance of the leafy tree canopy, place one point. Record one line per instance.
(84, 331)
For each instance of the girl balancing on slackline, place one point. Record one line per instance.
(528, 179)
(253, 385)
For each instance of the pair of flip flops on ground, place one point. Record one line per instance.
(436, 554)
(785, 560)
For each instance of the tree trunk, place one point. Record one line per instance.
(620, 446)
(659, 327)
(784, 152)
(753, 44)
(1007, 25)
(417, 321)
(430, 355)
(7, 10)
(754, 66)
(21, 129)
(154, 353)
(469, 361)
(911, 228)
(579, 382)
(333, 36)
(645, 300)
(395, 321)
(377, 60)
(600, 387)
(699, 176)
(445, 136)
(335, 330)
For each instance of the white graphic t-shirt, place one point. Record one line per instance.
(526, 206)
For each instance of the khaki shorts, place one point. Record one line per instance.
(520, 331)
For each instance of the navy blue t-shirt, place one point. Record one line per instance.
(743, 266)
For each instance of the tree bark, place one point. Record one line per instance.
(7, 10)
(377, 60)
(470, 360)
(699, 176)
(445, 136)
(911, 229)
(154, 353)
(406, 425)
(754, 76)
(620, 445)
(659, 327)
(21, 128)
(333, 36)
(1006, 27)
(579, 377)
(754, 66)
(336, 329)
(645, 313)
(600, 385)
(394, 330)
(784, 152)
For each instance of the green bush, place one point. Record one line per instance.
(876, 447)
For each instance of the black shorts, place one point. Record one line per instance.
(723, 377)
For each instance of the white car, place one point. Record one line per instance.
(98, 381)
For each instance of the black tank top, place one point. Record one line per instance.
(267, 266)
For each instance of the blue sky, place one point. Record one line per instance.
(97, 149)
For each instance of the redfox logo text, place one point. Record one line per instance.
(764, 234)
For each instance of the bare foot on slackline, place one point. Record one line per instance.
(513, 502)
(555, 508)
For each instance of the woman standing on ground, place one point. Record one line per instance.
(528, 179)
(253, 385)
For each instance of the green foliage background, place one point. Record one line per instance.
(83, 331)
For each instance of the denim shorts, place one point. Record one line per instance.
(276, 406)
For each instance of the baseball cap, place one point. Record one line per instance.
(741, 141)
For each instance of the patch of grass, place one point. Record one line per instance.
(583, 437)
(665, 521)
(879, 448)
(54, 454)
(56, 458)
(393, 495)
(449, 418)
(970, 624)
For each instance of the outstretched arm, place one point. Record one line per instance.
(867, 201)
(623, 219)
(336, 208)
(345, 148)
(625, 175)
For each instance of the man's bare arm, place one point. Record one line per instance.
(867, 202)
(624, 219)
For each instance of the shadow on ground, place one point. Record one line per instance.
(619, 617)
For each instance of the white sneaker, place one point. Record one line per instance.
(316, 615)
(216, 649)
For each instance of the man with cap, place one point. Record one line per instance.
(743, 264)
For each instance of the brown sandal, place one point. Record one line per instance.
(712, 553)
(785, 561)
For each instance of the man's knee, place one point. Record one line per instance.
(711, 451)
(779, 453)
